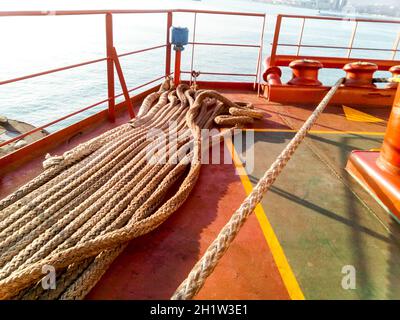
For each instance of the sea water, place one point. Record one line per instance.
(35, 44)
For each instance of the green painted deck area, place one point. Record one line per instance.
(325, 221)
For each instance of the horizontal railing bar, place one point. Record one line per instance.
(225, 74)
(75, 12)
(338, 18)
(334, 62)
(225, 44)
(51, 123)
(232, 13)
(21, 136)
(333, 47)
(147, 83)
(101, 12)
(94, 12)
(76, 65)
(141, 50)
(52, 71)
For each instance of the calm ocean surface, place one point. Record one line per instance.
(34, 44)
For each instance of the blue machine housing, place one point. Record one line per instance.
(179, 37)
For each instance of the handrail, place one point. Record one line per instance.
(231, 13)
(337, 18)
(227, 44)
(335, 47)
(259, 46)
(112, 56)
(33, 75)
(23, 135)
(141, 50)
(101, 12)
(76, 12)
(76, 65)
(224, 73)
(349, 48)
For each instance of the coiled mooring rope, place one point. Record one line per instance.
(207, 263)
(79, 214)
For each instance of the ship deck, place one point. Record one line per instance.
(314, 221)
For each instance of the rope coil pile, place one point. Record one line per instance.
(79, 214)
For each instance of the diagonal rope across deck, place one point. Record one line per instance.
(205, 266)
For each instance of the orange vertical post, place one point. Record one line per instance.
(123, 84)
(389, 157)
(177, 72)
(168, 47)
(379, 172)
(110, 67)
(274, 47)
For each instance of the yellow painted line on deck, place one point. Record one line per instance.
(371, 133)
(359, 116)
(287, 275)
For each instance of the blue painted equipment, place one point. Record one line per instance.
(179, 37)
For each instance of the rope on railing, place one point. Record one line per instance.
(205, 266)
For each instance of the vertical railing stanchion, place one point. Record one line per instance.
(193, 44)
(396, 46)
(276, 39)
(168, 46)
(110, 67)
(353, 35)
(258, 67)
(300, 37)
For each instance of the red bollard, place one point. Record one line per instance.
(272, 74)
(305, 72)
(395, 70)
(360, 74)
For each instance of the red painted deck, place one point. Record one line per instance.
(382, 184)
(154, 265)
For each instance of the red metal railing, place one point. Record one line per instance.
(275, 58)
(258, 46)
(112, 58)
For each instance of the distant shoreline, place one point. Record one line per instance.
(359, 13)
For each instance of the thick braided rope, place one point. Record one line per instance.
(60, 259)
(106, 151)
(205, 266)
(66, 279)
(90, 277)
(138, 221)
(246, 112)
(227, 120)
(55, 233)
(87, 279)
(56, 164)
(93, 273)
